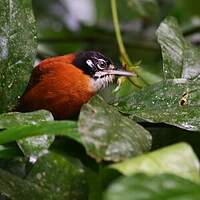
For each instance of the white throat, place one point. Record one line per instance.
(102, 82)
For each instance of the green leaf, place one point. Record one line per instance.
(15, 188)
(144, 8)
(174, 102)
(143, 187)
(35, 145)
(191, 63)
(52, 177)
(15, 165)
(180, 59)
(63, 177)
(178, 159)
(31, 145)
(13, 119)
(7, 152)
(107, 135)
(17, 49)
(65, 128)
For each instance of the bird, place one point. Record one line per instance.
(62, 84)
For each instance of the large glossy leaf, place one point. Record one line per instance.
(64, 177)
(107, 135)
(17, 49)
(174, 102)
(31, 145)
(180, 59)
(15, 165)
(178, 159)
(143, 187)
(13, 187)
(65, 128)
(52, 177)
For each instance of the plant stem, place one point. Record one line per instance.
(125, 58)
(141, 80)
(118, 33)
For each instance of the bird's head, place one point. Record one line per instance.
(100, 68)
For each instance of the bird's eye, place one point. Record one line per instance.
(101, 64)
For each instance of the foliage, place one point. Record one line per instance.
(141, 187)
(118, 148)
(97, 133)
(17, 30)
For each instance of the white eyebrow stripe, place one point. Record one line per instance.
(90, 63)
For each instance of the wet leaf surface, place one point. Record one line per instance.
(107, 135)
(16, 188)
(13, 119)
(180, 59)
(31, 145)
(64, 177)
(17, 49)
(142, 187)
(53, 176)
(178, 159)
(35, 145)
(174, 102)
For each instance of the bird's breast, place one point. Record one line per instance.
(60, 88)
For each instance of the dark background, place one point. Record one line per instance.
(75, 25)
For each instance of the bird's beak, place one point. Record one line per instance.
(118, 72)
(113, 71)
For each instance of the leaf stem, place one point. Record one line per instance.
(122, 49)
(138, 82)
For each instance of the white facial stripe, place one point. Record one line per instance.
(90, 63)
